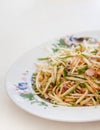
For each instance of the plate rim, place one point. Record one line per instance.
(45, 117)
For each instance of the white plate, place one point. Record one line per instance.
(19, 83)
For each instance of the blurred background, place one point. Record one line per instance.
(25, 24)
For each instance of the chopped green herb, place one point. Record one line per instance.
(95, 51)
(34, 86)
(73, 104)
(61, 43)
(81, 70)
(46, 58)
(70, 90)
(65, 57)
(65, 72)
(80, 45)
(83, 55)
(55, 49)
(34, 75)
(75, 76)
(83, 85)
(79, 77)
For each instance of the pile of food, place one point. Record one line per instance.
(70, 75)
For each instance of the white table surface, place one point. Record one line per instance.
(25, 24)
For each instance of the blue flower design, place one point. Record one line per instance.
(22, 85)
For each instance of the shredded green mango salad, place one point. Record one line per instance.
(70, 75)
